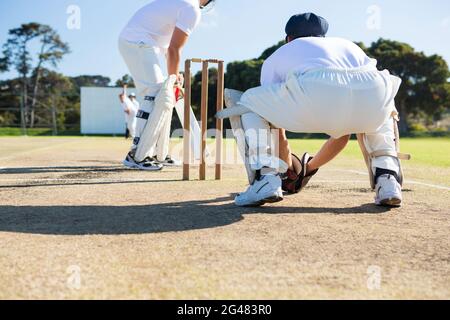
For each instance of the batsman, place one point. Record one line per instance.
(151, 45)
(316, 84)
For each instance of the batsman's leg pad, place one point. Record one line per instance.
(142, 117)
(162, 111)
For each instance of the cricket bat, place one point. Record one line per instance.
(195, 129)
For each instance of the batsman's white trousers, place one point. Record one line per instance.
(146, 65)
(332, 101)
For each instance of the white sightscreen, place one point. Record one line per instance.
(101, 111)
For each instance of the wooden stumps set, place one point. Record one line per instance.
(204, 117)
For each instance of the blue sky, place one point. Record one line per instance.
(234, 30)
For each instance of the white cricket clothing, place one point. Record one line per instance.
(326, 85)
(305, 54)
(332, 101)
(155, 136)
(383, 139)
(260, 144)
(146, 65)
(130, 118)
(132, 106)
(155, 23)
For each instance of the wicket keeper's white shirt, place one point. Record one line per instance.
(155, 23)
(304, 54)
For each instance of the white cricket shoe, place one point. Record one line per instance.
(266, 190)
(170, 162)
(145, 165)
(389, 191)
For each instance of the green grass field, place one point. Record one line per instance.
(35, 132)
(426, 151)
(18, 132)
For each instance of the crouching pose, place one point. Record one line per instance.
(153, 38)
(315, 84)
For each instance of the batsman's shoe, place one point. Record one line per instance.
(170, 162)
(388, 189)
(145, 165)
(265, 190)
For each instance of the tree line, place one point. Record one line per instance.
(40, 96)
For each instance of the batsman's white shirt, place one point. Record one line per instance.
(155, 23)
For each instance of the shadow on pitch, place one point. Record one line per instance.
(147, 219)
(72, 173)
(62, 169)
(79, 183)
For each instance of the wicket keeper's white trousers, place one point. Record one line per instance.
(146, 64)
(336, 102)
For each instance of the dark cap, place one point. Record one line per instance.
(306, 25)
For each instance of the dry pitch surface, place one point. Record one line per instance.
(75, 224)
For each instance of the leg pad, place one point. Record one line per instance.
(369, 156)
